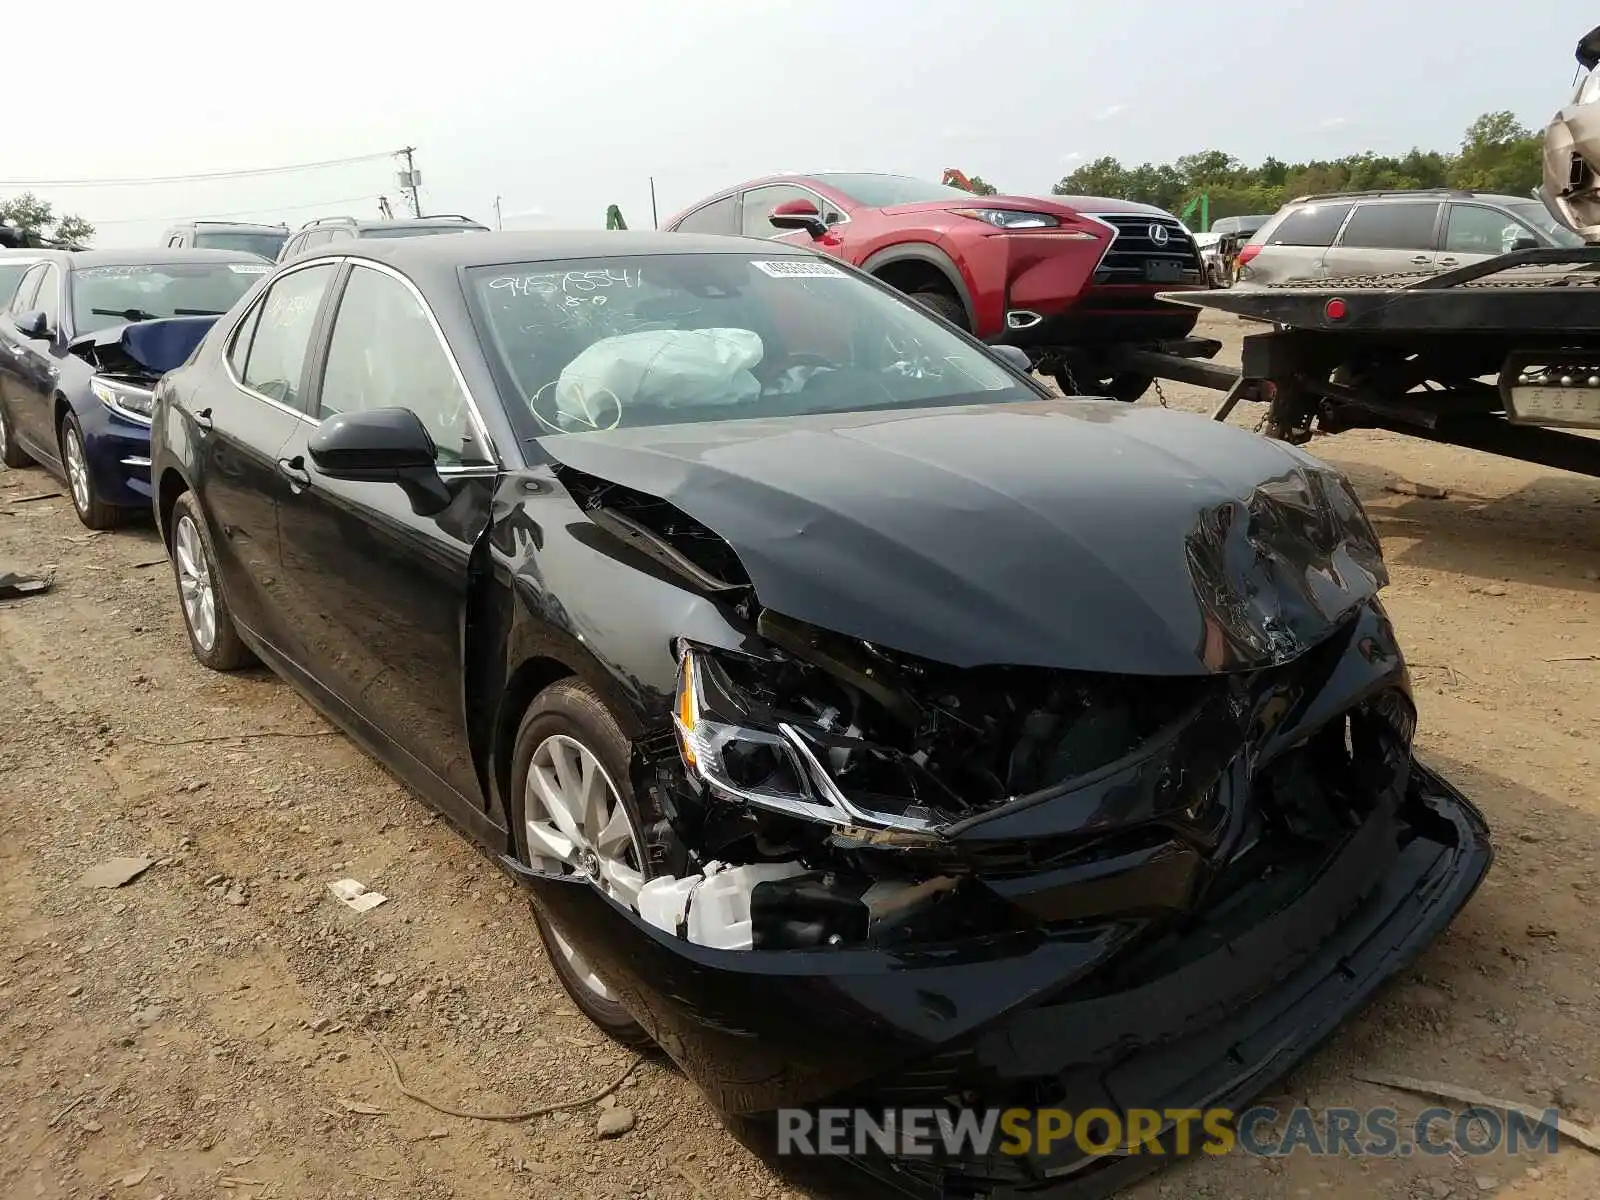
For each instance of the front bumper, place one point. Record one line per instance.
(1082, 1018)
(1105, 316)
(118, 451)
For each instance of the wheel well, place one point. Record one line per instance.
(62, 409)
(526, 682)
(172, 486)
(916, 275)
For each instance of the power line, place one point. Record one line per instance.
(240, 212)
(194, 178)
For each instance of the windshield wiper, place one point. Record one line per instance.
(198, 312)
(127, 314)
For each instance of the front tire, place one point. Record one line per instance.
(10, 453)
(212, 634)
(943, 304)
(573, 812)
(86, 502)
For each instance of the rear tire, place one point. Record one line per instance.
(10, 453)
(943, 304)
(569, 718)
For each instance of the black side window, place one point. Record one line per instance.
(280, 337)
(1313, 225)
(716, 217)
(239, 348)
(23, 300)
(48, 301)
(1401, 225)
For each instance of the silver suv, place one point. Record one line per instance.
(1380, 233)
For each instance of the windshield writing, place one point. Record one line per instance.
(602, 344)
(103, 297)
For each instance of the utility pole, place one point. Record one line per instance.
(654, 222)
(409, 179)
(498, 224)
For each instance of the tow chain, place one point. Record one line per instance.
(1160, 395)
(1072, 380)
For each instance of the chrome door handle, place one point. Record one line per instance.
(1422, 258)
(1447, 262)
(202, 419)
(296, 474)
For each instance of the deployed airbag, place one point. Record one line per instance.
(662, 368)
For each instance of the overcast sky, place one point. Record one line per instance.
(563, 108)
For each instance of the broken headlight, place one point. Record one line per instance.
(740, 748)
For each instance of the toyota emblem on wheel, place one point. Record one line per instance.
(1159, 234)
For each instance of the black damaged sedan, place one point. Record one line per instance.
(871, 726)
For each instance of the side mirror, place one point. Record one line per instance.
(32, 324)
(799, 214)
(1014, 356)
(382, 445)
(1525, 243)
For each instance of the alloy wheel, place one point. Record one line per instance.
(194, 583)
(576, 824)
(77, 468)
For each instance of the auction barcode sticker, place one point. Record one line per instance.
(249, 268)
(798, 268)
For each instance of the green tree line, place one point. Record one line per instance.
(36, 218)
(1498, 154)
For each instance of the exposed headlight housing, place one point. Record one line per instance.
(1006, 218)
(759, 758)
(124, 399)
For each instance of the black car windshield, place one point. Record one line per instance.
(605, 343)
(104, 296)
(266, 245)
(882, 191)
(1539, 217)
(394, 231)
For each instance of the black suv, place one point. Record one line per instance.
(328, 229)
(265, 240)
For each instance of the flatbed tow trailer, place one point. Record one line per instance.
(1501, 355)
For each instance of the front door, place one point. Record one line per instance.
(38, 368)
(379, 594)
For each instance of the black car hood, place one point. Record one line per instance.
(1081, 535)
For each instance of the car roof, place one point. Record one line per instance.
(433, 255)
(235, 226)
(440, 222)
(150, 257)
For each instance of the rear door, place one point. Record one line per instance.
(242, 434)
(1383, 237)
(377, 592)
(1294, 245)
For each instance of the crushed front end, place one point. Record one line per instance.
(881, 881)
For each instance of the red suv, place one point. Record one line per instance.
(1061, 277)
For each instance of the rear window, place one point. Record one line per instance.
(266, 245)
(1309, 225)
(1392, 226)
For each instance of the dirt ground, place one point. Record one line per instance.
(208, 1029)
